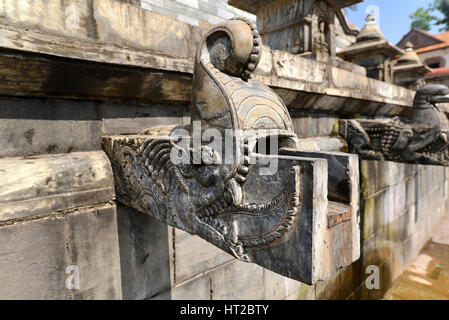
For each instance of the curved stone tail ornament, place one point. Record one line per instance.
(283, 219)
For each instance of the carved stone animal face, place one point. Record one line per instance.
(432, 93)
(440, 96)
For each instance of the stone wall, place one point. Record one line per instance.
(401, 205)
(57, 207)
(200, 13)
(57, 199)
(36, 253)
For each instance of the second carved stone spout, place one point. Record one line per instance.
(423, 139)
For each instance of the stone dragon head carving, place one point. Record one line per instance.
(221, 201)
(235, 176)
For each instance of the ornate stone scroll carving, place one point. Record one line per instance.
(213, 178)
(423, 139)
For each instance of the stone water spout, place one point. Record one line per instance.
(289, 211)
(423, 139)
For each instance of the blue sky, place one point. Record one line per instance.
(393, 16)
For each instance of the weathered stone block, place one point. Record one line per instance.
(111, 18)
(426, 204)
(376, 250)
(94, 249)
(145, 255)
(425, 182)
(386, 202)
(133, 119)
(38, 15)
(33, 260)
(293, 67)
(39, 126)
(195, 289)
(398, 230)
(325, 144)
(277, 287)
(399, 196)
(38, 185)
(397, 264)
(313, 125)
(304, 292)
(371, 217)
(350, 278)
(411, 190)
(328, 289)
(207, 256)
(237, 280)
(379, 175)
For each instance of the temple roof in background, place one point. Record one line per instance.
(424, 41)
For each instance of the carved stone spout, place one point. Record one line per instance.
(215, 178)
(423, 139)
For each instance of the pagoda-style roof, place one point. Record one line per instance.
(409, 56)
(424, 41)
(372, 47)
(370, 40)
(409, 62)
(417, 68)
(370, 30)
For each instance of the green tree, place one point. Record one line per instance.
(422, 19)
(442, 6)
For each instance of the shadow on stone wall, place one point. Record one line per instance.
(399, 213)
(144, 255)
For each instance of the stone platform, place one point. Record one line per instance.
(427, 278)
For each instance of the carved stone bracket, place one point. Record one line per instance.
(421, 140)
(286, 210)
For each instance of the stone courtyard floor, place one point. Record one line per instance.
(427, 278)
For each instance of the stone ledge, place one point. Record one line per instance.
(35, 254)
(37, 185)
